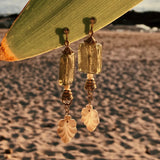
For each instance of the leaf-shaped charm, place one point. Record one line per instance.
(67, 129)
(90, 117)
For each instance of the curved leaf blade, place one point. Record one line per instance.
(38, 29)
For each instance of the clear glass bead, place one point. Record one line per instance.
(90, 58)
(66, 69)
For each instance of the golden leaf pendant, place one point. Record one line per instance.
(90, 117)
(67, 129)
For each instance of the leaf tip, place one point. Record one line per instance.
(5, 53)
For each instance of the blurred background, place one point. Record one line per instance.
(127, 97)
(145, 16)
(15, 6)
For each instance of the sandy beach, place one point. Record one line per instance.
(127, 99)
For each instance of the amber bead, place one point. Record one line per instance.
(66, 69)
(90, 58)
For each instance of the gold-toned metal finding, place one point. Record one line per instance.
(93, 20)
(67, 126)
(67, 100)
(67, 50)
(66, 32)
(91, 39)
(89, 115)
(67, 97)
(67, 63)
(90, 84)
(66, 87)
(90, 62)
(90, 54)
(90, 76)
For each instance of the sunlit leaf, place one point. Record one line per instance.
(38, 29)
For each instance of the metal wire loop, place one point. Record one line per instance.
(92, 22)
(66, 32)
(67, 107)
(90, 96)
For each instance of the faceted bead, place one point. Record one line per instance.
(90, 84)
(90, 58)
(66, 69)
(67, 97)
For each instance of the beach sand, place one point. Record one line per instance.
(127, 99)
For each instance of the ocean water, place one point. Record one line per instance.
(15, 6)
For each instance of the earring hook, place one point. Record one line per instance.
(92, 22)
(66, 32)
(91, 39)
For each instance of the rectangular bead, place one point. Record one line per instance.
(66, 69)
(90, 58)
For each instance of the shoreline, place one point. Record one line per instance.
(131, 18)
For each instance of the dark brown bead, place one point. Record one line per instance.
(67, 97)
(90, 84)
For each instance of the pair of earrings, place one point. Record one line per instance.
(89, 62)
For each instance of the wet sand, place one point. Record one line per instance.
(127, 99)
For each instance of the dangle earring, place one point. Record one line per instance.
(90, 62)
(67, 126)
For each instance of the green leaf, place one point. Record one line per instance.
(39, 27)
